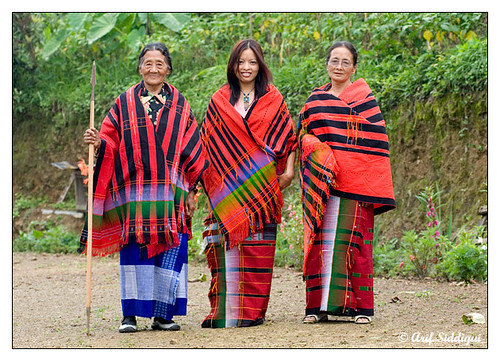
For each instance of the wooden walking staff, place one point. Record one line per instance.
(90, 202)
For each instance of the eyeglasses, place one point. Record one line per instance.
(336, 62)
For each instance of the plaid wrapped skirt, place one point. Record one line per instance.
(156, 286)
(339, 270)
(241, 278)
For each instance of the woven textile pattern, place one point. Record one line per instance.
(156, 286)
(339, 271)
(143, 173)
(344, 153)
(245, 156)
(241, 278)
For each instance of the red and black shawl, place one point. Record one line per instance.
(143, 173)
(344, 152)
(245, 155)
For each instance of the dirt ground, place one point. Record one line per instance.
(48, 295)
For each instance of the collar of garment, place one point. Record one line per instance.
(147, 96)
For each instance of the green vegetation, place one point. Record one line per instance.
(467, 260)
(432, 253)
(402, 55)
(428, 72)
(46, 237)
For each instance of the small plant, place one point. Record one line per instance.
(386, 256)
(466, 260)
(22, 203)
(425, 249)
(425, 294)
(46, 237)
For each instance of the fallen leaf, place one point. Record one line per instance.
(201, 278)
(396, 299)
(473, 318)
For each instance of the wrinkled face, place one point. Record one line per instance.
(154, 69)
(340, 66)
(247, 67)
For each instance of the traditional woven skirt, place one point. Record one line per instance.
(156, 286)
(241, 278)
(339, 271)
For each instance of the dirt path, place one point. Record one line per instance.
(49, 312)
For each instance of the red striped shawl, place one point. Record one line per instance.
(355, 164)
(245, 156)
(143, 173)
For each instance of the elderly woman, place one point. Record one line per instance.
(346, 179)
(149, 161)
(249, 141)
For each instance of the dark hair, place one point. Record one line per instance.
(161, 48)
(264, 77)
(344, 44)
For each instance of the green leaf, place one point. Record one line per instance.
(135, 37)
(125, 21)
(101, 26)
(173, 21)
(54, 43)
(143, 18)
(76, 21)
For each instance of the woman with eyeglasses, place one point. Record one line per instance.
(346, 180)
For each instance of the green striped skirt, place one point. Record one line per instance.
(339, 270)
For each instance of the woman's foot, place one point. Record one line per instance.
(315, 318)
(361, 319)
(164, 325)
(129, 324)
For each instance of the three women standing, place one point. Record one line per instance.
(151, 156)
(346, 179)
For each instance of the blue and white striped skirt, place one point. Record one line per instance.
(156, 286)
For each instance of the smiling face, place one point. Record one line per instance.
(340, 66)
(247, 68)
(154, 69)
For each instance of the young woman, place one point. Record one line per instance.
(249, 141)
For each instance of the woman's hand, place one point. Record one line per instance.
(190, 204)
(286, 178)
(91, 136)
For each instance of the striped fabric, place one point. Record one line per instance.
(245, 156)
(353, 126)
(143, 173)
(339, 270)
(156, 286)
(344, 152)
(317, 176)
(241, 278)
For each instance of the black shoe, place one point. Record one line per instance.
(129, 324)
(164, 325)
